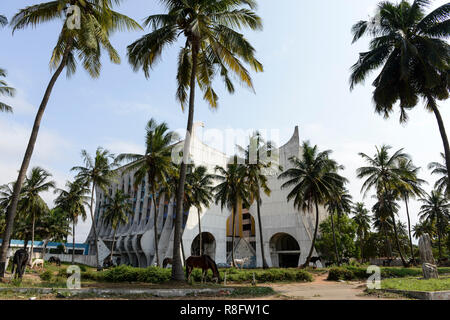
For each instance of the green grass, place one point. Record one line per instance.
(414, 284)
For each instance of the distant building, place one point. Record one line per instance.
(287, 232)
(51, 247)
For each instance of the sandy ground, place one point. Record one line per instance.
(321, 289)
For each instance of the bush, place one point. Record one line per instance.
(46, 275)
(340, 273)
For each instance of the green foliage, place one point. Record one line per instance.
(414, 284)
(345, 238)
(46, 275)
(340, 273)
(359, 273)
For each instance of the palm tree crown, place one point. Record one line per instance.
(442, 184)
(5, 90)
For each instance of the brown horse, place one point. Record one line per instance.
(167, 261)
(204, 262)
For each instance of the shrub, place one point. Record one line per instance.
(46, 275)
(339, 273)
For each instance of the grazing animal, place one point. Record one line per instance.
(55, 260)
(314, 260)
(204, 262)
(167, 261)
(241, 262)
(19, 262)
(387, 263)
(37, 263)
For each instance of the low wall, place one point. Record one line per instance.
(89, 260)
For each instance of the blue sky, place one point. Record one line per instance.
(306, 51)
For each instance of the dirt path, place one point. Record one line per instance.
(321, 289)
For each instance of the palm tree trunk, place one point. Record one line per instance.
(444, 137)
(112, 248)
(387, 242)
(398, 242)
(314, 237)
(439, 236)
(258, 212)
(338, 261)
(200, 233)
(177, 269)
(32, 239)
(361, 246)
(155, 227)
(233, 232)
(73, 242)
(94, 226)
(409, 228)
(11, 213)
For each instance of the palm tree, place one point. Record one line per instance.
(442, 184)
(3, 20)
(31, 203)
(5, 90)
(212, 45)
(314, 179)
(435, 209)
(362, 219)
(198, 193)
(231, 192)
(116, 212)
(259, 160)
(97, 22)
(73, 202)
(412, 50)
(96, 172)
(383, 174)
(155, 165)
(423, 227)
(409, 187)
(339, 202)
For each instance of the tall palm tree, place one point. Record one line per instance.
(232, 193)
(199, 193)
(412, 50)
(259, 159)
(422, 227)
(96, 172)
(436, 210)
(5, 90)
(97, 22)
(408, 187)
(339, 202)
(31, 203)
(314, 179)
(73, 201)
(383, 174)
(213, 45)
(155, 165)
(117, 209)
(362, 219)
(442, 184)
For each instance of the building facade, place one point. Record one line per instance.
(287, 232)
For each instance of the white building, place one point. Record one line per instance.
(287, 232)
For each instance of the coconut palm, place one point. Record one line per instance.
(213, 45)
(409, 186)
(96, 172)
(423, 227)
(198, 193)
(5, 90)
(339, 202)
(382, 218)
(86, 41)
(314, 179)
(435, 209)
(31, 203)
(117, 209)
(155, 165)
(73, 201)
(383, 174)
(232, 193)
(442, 184)
(3, 20)
(362, 219)
(260, 159)
(410, 47)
